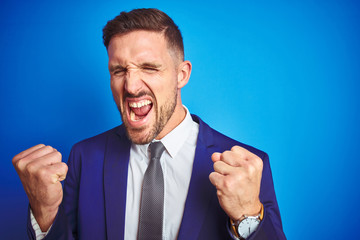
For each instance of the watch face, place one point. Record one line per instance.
(248, 226)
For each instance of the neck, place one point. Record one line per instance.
(176, 118)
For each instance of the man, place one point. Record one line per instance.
(208, 186)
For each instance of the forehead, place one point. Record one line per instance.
(137, 45)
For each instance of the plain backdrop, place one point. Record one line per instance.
(282, 76)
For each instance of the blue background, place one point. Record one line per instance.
(282, 76)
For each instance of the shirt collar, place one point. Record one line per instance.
(175, 139)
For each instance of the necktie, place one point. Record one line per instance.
(152, 197)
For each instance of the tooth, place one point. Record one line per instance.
(139, 104)
(132, 116)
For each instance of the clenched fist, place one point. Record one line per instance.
(237, 177)
(40, 170)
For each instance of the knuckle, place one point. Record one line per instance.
(217, 164)
(31, 167)
(65, 166)
(229, 184)
(211, 176)
(14, 160)
(58, 154)
(48, 148)
(226, 154)
(251, 169)
(213, 179)
(18, 164)
(258, 162)
(42, 173)
(236, 148)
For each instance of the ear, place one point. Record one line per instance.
(184, 72)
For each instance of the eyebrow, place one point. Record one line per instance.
(149, 64)
(116, 67)
(113, 68)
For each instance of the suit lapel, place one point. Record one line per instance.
(115, 182)
(200, 189)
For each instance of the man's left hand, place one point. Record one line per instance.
(237, 177)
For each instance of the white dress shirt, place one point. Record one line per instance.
(176, 162)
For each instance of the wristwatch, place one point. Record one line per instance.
(246, 225)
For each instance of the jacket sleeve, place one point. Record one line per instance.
(270, 227)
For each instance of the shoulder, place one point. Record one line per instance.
(98, 141)
(212, 138)
(226, 142)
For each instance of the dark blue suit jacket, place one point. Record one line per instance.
(95, 191)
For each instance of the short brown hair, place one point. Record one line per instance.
(150, 19)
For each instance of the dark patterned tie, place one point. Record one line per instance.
(152, 197)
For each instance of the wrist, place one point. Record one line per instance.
(255, 210)
(246, 224)
(252, 210)
(44, 216)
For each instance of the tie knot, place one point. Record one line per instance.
(156, 149)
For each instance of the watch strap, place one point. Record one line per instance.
(261, 212)
(234, 229)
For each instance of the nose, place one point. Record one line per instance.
(133, 82)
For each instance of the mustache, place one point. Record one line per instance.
(138, 95)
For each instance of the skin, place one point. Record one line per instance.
(143, 67)
(40, 170)
(237, 177)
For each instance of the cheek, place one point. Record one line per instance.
(116, 88)
(164, 86)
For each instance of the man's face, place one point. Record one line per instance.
(144, 83)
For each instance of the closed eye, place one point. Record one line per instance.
(117, 70)
(150, 67)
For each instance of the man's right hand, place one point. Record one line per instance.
(40, 169)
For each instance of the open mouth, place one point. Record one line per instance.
(139, 110)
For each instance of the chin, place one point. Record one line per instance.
(139, 136)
